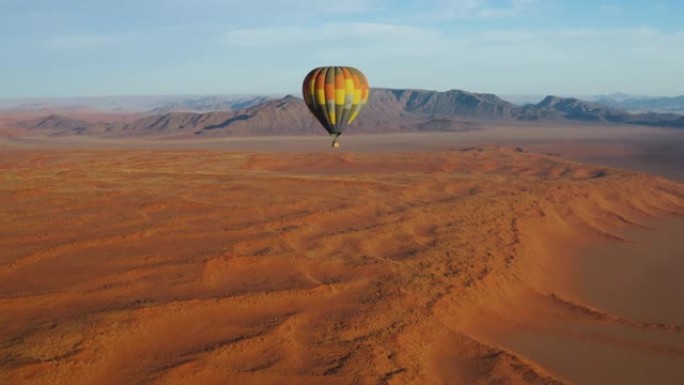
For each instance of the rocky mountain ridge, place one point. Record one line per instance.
(388, 110)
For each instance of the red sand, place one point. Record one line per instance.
(209, 267)
(611, 314)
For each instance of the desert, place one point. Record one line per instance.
(465, 192)
(470, 257)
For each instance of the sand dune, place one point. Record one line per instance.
(209, 267)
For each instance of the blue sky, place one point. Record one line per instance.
(54, 48)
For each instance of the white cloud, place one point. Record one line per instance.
(87, 41)
(348, 34)
(481, 9)
(638, 60)
(579, 61)
(239, 45)
(610, 8)
(458, 9)
(513, 36)
(281, 8)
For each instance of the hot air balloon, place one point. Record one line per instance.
(335, 95)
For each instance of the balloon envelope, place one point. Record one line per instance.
(335, 95)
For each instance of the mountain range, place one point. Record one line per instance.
(673, 104)
(388, 110)
(138, 103)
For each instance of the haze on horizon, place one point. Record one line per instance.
(154, 47)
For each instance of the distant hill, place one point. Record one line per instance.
(288, 115)
(138, 103)
(56, 125)
(576, 109)
(450, 103)
(388, 110)
(211, 103)
(674, 104)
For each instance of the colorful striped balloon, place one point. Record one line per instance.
(335, 95)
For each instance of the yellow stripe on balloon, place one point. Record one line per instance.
(357, 96)
(320, 96)
(349, 92)
(339, 95)
(331, 112)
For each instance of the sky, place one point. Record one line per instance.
(67, 48)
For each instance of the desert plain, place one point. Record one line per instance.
(509, 255)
